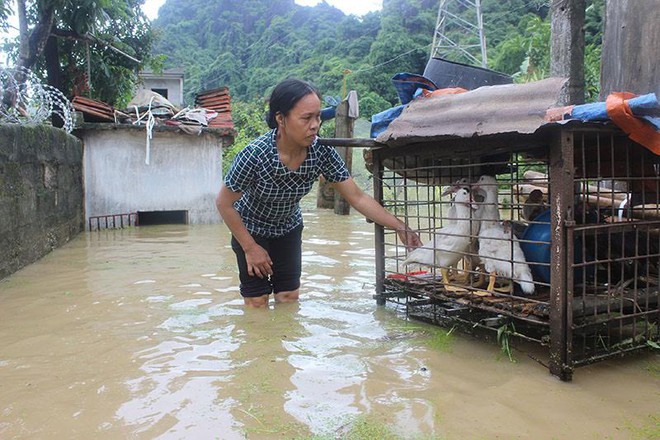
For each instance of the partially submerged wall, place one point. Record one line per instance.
(178, 172)
(41, 193)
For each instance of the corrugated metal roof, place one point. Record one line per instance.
(489, 110)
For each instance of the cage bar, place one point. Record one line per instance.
(592, 246)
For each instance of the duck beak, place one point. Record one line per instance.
(447, 191)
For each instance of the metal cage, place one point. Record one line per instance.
(590, 237)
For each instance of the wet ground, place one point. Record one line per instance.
(141, 334)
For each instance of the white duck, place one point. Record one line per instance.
(451, 218)
(502, 256)
(489, 210)
(463, 182)
(487, 213)
(450, 242)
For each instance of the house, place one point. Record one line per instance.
(168, 84)
(131, 179)
(154, 164)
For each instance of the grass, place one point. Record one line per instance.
(440, 339)
(503, 334)
(434, 337)
(366, 427)
(653, 369)
(648, 430)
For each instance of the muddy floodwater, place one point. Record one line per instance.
(141, 334)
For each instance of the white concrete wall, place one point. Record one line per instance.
(184, 173)
(174, 88)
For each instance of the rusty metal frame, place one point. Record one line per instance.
(110, 221)
(561, 189)
(569, 326)
(379, 231)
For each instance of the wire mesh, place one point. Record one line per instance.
(25, 100)
(612, 243)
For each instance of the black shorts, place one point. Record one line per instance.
(286, 253)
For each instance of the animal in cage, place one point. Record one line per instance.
(501, 255)
(470, 260)
(590, 233)
(498, 253)
(489, 211)
(452, 189)
(449, 243)
(534, 205)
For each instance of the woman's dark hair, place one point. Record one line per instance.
(285, 96)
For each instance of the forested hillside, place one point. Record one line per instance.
(249, 45)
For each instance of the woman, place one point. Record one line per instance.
(259, 199)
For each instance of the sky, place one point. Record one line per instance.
(355, 7)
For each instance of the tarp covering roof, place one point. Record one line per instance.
(488, 110)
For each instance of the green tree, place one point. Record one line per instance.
(593, 22)
(526, 56)
(5, 12)
(250, 122)
(403, 44)
(102, 43)
(250, 45)
(525, 52)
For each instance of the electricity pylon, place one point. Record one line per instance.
(459, 33)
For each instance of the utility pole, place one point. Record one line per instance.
(457, 38)
(631, 48)
(343, 129)
(326, 196)
(567, 47)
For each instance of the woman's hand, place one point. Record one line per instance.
(409, 237)
(373, 210)
(258, 261)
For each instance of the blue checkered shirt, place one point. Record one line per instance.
(271, 192)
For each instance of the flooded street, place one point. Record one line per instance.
(141, 334)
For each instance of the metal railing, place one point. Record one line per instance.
(112, 221)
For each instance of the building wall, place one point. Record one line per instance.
(184, 172)
(41, 193)
(173, 85)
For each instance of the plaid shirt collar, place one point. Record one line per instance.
(281, 169)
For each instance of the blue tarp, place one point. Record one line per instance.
(328, 113)
(644, 106)
(380, 121)
(408, 86)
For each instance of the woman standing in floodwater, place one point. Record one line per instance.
(259, 198)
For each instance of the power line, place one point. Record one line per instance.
(424, 47)
(461, 22)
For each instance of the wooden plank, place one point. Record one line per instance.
(561, 294)
(88, 103)
(97, 114)
(343, 128)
